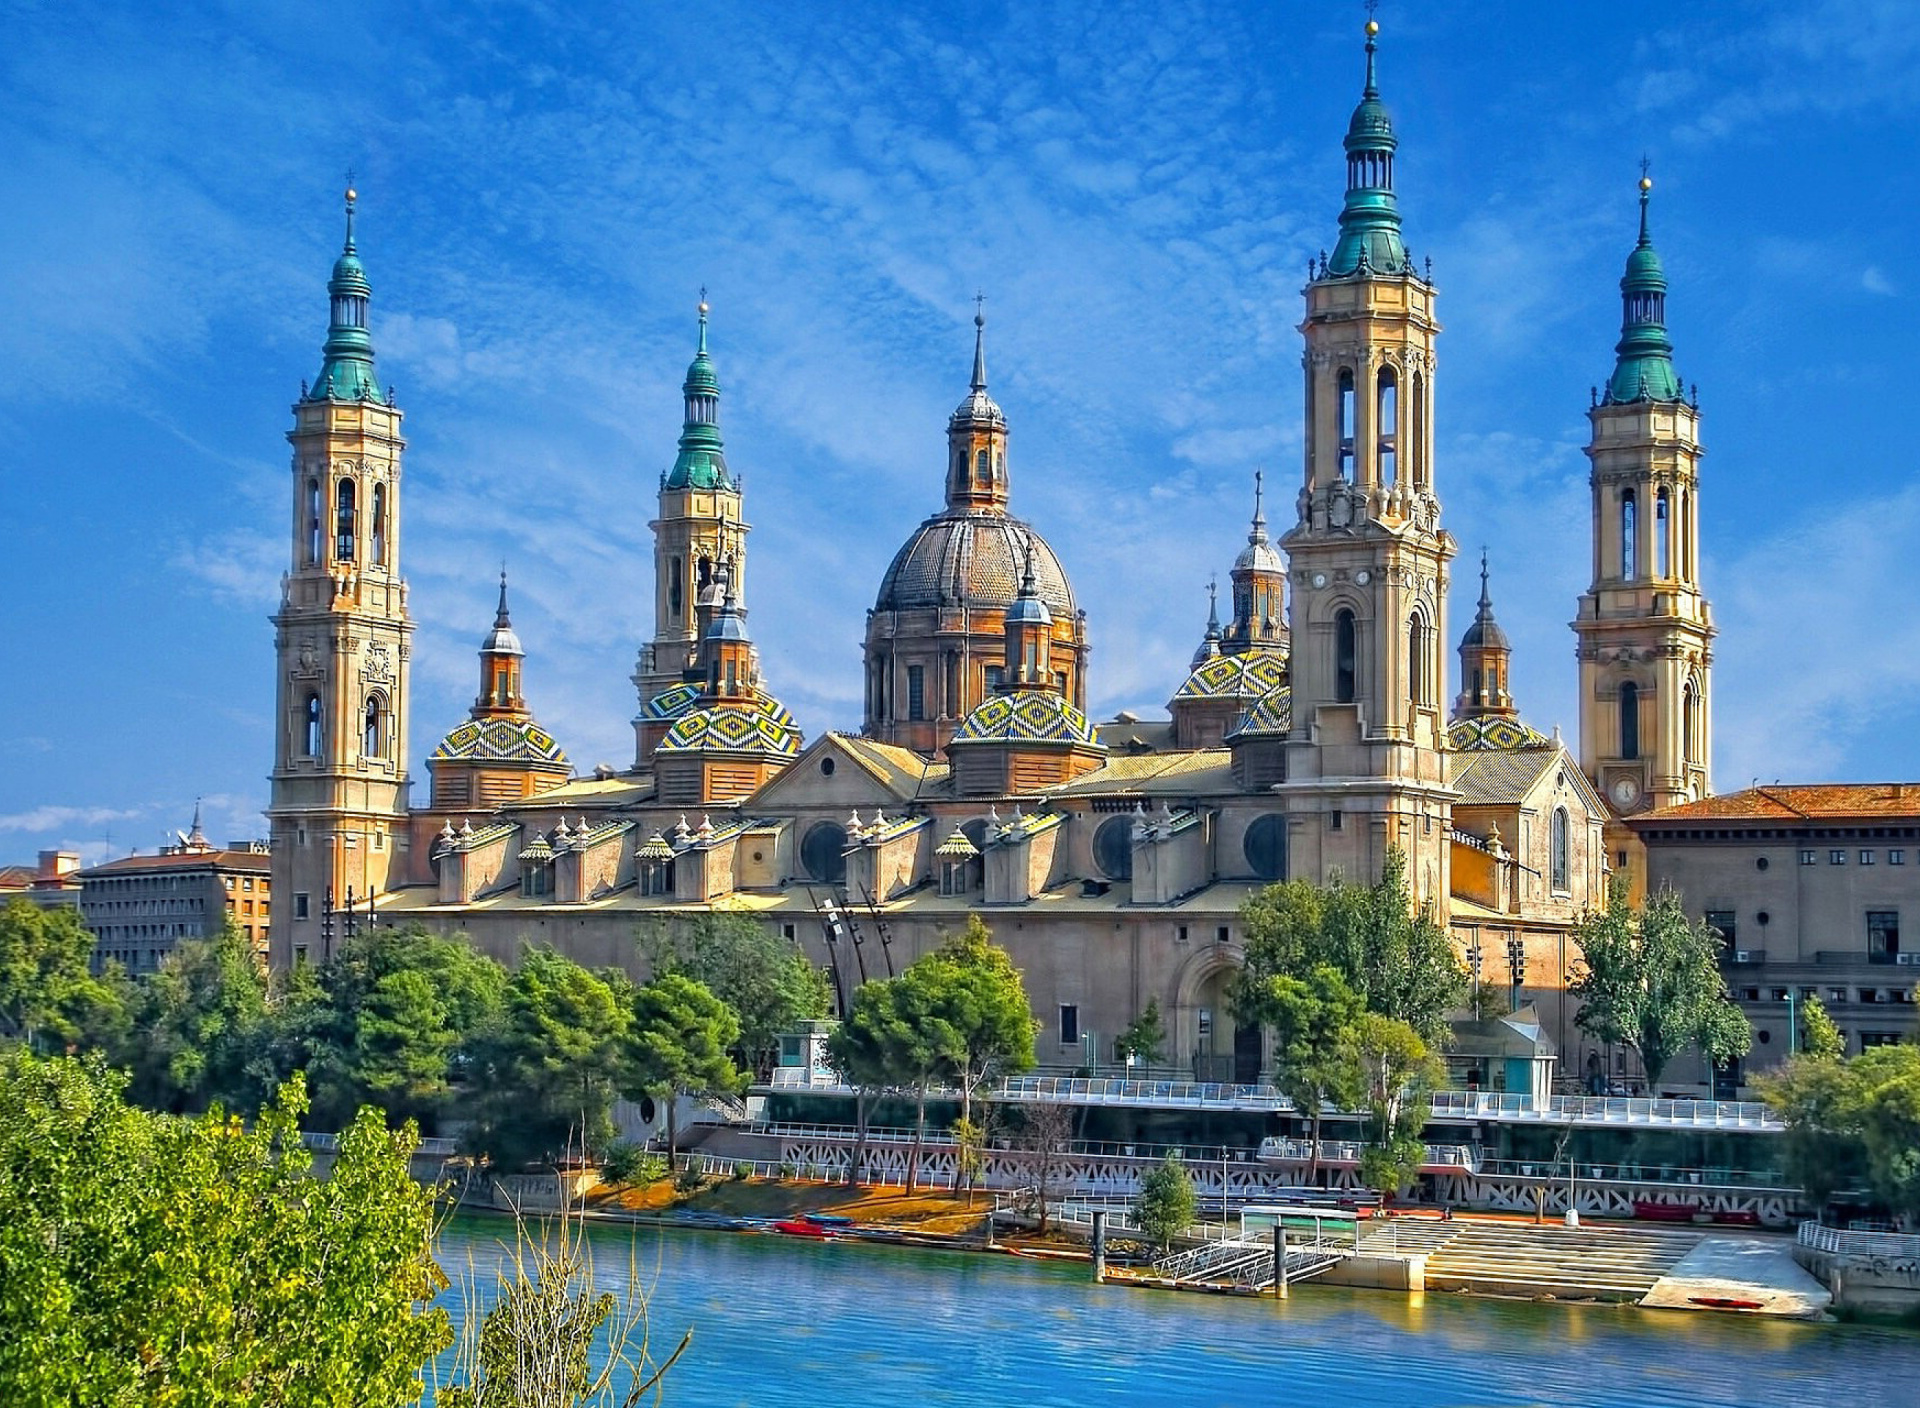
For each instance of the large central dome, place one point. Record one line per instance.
(972, 558)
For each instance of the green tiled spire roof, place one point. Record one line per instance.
(1643, 369)
(702, 461)
(346, 374)
(1370, 220)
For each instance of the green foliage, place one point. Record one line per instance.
(546, 1076)
(1885, 1108)
(1398, 1072)
(678, 1044)
(1818, 1035)
(742, 1171)
(48, 998)
(1165, 1205)
(201, 1028)
(632, 1165)
(1146, 1039)
(388, 1022)
(1315, 1021)
(1822, 1150)
(970, 987)
(970, 1152)
(1652, 981)
(1399, 961)
(190, 1262)
(767, 980)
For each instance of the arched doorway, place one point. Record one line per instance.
(1215, 1046)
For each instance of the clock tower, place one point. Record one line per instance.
(1365, 755)
(1645, 630)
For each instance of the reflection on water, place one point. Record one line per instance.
(778, 1321)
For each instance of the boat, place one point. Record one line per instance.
(799, 1227)
(826, 1219)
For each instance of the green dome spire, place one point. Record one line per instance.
(702, 461)
(1643, 370)
(346, 374)
(1370, 220)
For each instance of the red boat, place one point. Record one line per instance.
(796, 1227)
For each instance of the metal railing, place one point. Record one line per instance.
(1605, 1109)
(1105, 1091)
(1555, 1171)
(330, 1144)
(1837, 1242)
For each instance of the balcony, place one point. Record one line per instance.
(1838, 958)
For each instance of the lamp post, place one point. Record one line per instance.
(1793, 1024)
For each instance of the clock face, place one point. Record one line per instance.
(1626, 792)
(1319, 579)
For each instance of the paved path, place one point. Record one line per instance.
(1759, 1276)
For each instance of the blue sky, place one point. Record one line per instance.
(1137, 188)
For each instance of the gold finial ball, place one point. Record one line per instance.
(703, 307)
(1646, 183)
(1373, 28)
(352, 194)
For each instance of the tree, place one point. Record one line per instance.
(679, 1044)
(1046, 1137)
(1315, 1021)
(390, 1021)
(1400, 961)
(897, 1034)
(972, 987)
(196, 1262)
(1818, 1035)
(49, 998)
(861, 1052)
(1146, 1039)
(201, 1032)
(1652, 981)
(969, 1154)
(1165, 1205)
(768, 981)
(1821, 1150)
(1399, 1072)
(1885, 1109)
(547, 1075)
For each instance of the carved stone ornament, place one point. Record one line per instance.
(379, 663)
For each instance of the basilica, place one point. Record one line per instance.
(1319, 727)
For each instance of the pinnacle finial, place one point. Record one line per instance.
(979, 341)
(1259, 512)
(500, 617)
(703, 319)
(1373, 35)
(1646, 190)
(352, 196)
(1486, 601)
(1213, 606)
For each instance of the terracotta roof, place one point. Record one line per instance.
(16, 877)
(196, 860)
(1797, 803)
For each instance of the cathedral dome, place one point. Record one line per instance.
(975, 559)
(1259, 556)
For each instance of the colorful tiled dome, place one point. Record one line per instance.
(1272, 717)
(671, 703)
(761, 726)
(1488, 735)
(1252, 674)
(1029, 716)
(499, 741)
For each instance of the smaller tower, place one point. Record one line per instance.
(1486, 658)
(977, 437)
(1259, 588)
(500, 657)
(1029, 628)
(1210, 642)
(727, 653)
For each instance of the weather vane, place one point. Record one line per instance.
(980, 305)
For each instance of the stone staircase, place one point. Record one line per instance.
(1518, 1259)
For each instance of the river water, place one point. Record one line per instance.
(780, 1321)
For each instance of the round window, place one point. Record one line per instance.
(1760, 864)
(1266, 846)
(826, 767)
(821, 852)
(1113, 848)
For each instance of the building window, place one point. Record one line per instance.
(536, 881)
(1836, 857)
(1069, 1024)
(378, 525)
(1113, 848)
(1883, 934)
(1386, 426)
(1628, 530)
(1335, 821)
(1345, 427)
(1896, 857)
(1343, 657)
(676, 589)
(916, 692)
(313, 739)
(996, 679)
(1559, 862)
(1222, 935)
(373, 730)
(1629, 719)
(343, 522)
(1662, 544)
(790, 933)
(1866, 857)
(315, 513)
(1722, 921)
(300, 906)
(1265, 846)
(1809, 857)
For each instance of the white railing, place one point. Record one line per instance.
(1838, 1242)
(1603, 1109)
(1274, 1149)
(1102, 1091)
(330, 1144)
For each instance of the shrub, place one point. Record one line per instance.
(689, 1180)
(632, 1164)
(742, 1172)
(789, 1172)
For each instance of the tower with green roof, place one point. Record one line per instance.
(342, 638)
(699, 554)
(1365, 748)
(1645, 629)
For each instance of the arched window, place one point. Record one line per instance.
(316, 513)
(1416, 660)
(823, 853)
(1629, 720)
(1686, 536)
(1265, 846)
(373, 729)
(1662, 537)
(343, 522)
(313, 739)
(1343, 657)
(1386, 426)
(1689, 704)
(676, 587)
(378, 525)
(1559, 866)
(1345, 426)
(1628, 530)
(951, 684)
(983, 467)
(1419, 446)
(1113, 848)
(1479, 692)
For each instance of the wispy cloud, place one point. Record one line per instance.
(54, 818)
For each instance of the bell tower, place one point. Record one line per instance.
(699, 556)
(1645, 630)
(1365, 758)
(342, 637)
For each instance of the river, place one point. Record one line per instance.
(780, 1321)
